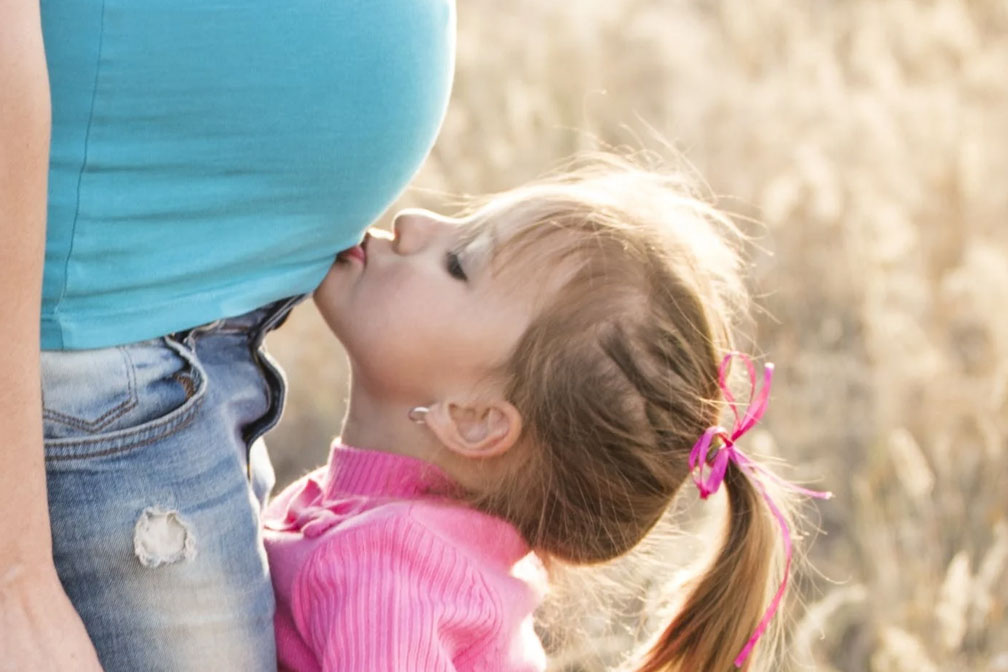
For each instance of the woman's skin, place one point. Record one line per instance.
(39, 629)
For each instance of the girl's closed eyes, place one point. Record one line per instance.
(454, 265)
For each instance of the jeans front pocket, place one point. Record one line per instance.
(110, 400)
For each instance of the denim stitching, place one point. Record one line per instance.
(168, 426)
(109, 416)
(131, 439)
(77, 448)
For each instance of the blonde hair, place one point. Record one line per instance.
(616, 378)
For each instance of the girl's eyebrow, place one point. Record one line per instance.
(479, 243)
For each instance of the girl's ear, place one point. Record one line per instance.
(476, 428)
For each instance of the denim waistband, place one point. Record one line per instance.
(256, 323)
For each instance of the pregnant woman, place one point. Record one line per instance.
(207, 161)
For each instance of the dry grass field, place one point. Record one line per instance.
(870, 140)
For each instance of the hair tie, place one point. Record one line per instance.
(727, 452)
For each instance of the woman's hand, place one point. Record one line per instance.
(39, 629)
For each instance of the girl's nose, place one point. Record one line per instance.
(415, 229)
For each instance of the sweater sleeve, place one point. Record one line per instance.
(391, 595)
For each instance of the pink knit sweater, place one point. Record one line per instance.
(374, 575)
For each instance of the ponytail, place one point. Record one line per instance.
(722, 613)
(727, 612)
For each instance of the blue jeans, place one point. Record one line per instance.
(156, 475)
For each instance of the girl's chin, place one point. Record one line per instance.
(329, 313)
(329, 296)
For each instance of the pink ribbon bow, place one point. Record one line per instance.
(727, 452)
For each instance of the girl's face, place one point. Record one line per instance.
(421, 314)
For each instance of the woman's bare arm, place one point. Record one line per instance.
(39, 630)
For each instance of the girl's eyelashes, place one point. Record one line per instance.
(454, 266)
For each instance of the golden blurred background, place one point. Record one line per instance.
(870, 139)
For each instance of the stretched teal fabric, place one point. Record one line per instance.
(211, 156)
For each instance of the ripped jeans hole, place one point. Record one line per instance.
(162, 538)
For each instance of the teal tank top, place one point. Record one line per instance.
(211, 156)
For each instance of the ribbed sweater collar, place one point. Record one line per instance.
(372, 473)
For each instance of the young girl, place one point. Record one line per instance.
(542, 375)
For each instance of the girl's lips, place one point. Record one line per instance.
(357, 252)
